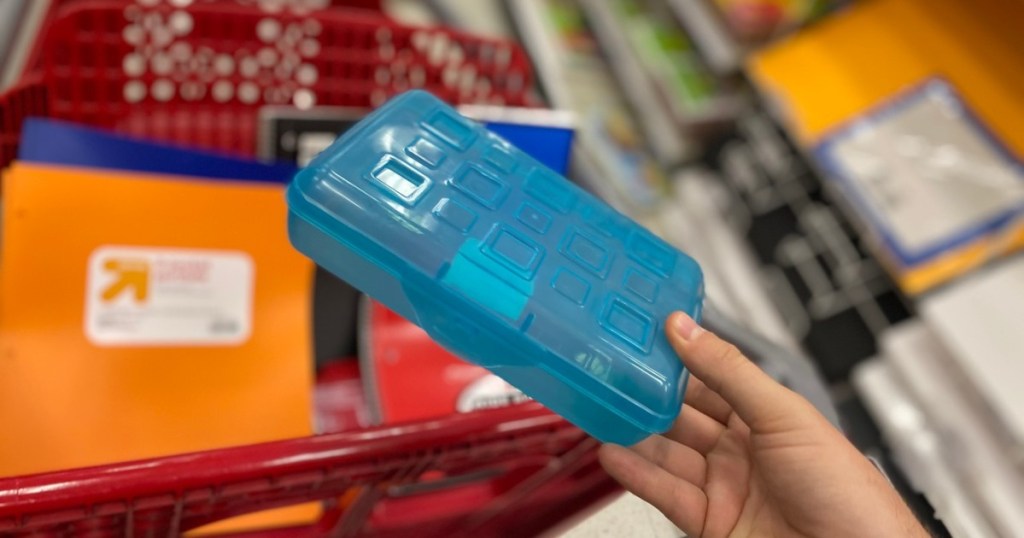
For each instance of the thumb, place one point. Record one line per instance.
(757, 398)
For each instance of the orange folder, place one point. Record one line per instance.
(143, 316)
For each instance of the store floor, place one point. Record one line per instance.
(624, 517)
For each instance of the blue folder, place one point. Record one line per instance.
(58, 142)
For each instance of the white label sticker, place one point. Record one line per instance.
(488, 392)
(146, 296)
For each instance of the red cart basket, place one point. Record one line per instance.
(300, 7)
(199, 74)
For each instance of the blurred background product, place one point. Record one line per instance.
(911, 108)
(847, 173)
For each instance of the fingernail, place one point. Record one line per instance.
(686, 328)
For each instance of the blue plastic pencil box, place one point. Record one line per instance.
(502, 261)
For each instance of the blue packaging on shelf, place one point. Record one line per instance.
(502, 261)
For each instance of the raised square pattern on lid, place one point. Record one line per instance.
(426, 152)
(587, 251)
(514, 250)
(629, 323)
(398, 179)
(481, 185)
(640, 285)
(533, 218)
(500, 159)
(651, 253)
(454, 131)
(571, 285)
(549, 189)
(455, 214)
(604, 221)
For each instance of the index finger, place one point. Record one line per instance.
(756, 397)
(707, 401)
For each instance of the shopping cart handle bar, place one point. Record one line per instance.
(374, 447)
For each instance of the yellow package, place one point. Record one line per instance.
(873, 83)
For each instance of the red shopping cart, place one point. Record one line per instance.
(198, 73)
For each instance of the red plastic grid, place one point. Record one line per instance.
(104, 65)
(268, 6)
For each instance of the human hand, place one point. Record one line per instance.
(749, 457)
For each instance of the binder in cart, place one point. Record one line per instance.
(145, 316)
(69, 144)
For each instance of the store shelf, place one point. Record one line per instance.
(706, 28)
(663, 135)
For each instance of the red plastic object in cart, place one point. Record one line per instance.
(339, 399)
(409, 377)
(505, 472)
(199, 75)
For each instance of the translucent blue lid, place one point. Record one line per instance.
(502, 261)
